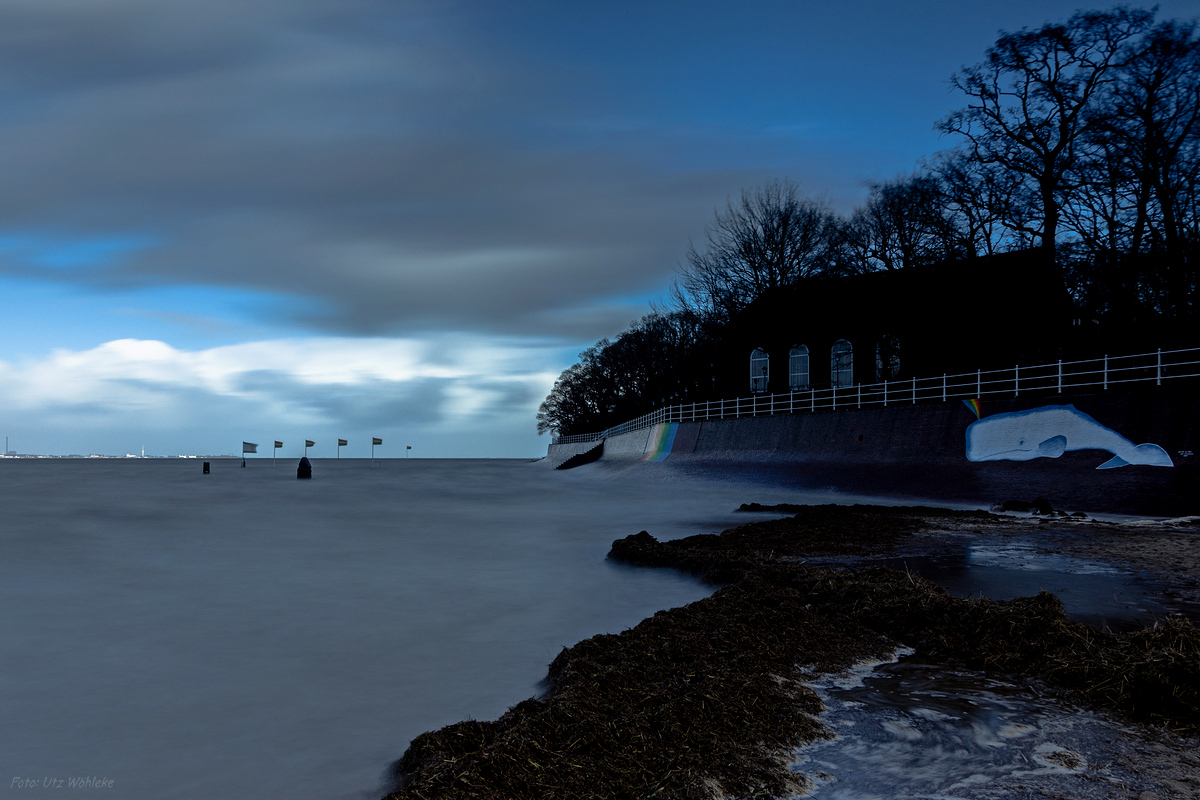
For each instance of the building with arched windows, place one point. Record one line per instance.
(982, 313)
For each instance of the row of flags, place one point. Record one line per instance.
(252, 447)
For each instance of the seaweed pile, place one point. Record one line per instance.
(705, 701)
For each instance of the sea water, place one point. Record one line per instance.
(243, 634)
(170, 634)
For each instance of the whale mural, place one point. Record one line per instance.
(1050, 431)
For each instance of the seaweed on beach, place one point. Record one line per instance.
(695, 702)
(827, 530)
(1152, 675)
(706, 701)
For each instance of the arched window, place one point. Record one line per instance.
(887, 358)
(841, 363)
(798, 367)
(760, 369)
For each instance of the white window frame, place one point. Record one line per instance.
(760, 371)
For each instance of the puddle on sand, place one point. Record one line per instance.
(911, 729)
(1093, 592)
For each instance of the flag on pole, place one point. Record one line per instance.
(248, 447)
(341, 442)
(309, 443)
(408, 447)
(278, 444)
(375, 440)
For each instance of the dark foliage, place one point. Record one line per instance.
(660, 358)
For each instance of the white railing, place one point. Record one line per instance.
(1061, 376)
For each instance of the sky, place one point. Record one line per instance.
(317, 219)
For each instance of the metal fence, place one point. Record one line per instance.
(1041, 379)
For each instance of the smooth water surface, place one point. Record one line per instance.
(245, 634)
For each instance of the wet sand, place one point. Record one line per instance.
(1167, 549)
(712, 699)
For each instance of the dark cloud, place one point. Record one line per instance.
(369, 403)
(368, 155)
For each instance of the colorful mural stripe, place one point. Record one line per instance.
(662, 436)
(975, 406)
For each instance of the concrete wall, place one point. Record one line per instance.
(920, 450)
(914, 434)
(558, 453)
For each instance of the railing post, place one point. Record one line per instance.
(943, 387)
(1158, 369)
(978, 383)
(1106, 372)
(1060, 376)
(812, 397)
(835, 397)
(1017, 381)
(860, 395)
(885, 393)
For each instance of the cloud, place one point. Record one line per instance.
(195, 399)
(373, 157)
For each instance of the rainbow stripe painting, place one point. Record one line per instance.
(974, 405)
(661, 438)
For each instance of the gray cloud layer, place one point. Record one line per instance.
(367, 155)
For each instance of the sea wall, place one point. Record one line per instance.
(558, 453)
(919, 450)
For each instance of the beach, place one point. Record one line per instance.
(720, 698)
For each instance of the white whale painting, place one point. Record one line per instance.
(1050, 431)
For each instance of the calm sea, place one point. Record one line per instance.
(244, 634)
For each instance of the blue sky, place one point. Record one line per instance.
(290, 219)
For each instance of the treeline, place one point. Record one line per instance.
(1081, 138)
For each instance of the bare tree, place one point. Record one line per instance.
(978, 199)
(904, 223)
(1133, 210)
(772, 236)
(1028, 103)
